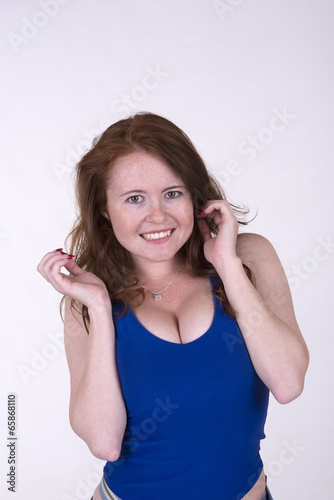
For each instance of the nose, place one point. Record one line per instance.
(156, 212)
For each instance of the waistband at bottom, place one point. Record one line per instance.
(107, 494)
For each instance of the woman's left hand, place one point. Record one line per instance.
(222, 246)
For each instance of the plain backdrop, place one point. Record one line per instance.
(251, 83)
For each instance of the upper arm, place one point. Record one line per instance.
(268, 276)
(76, 341)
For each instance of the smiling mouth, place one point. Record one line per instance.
(157, 236)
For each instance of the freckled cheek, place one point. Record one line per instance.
(123, 227)
(187, 218)
(124, 224)
(118, 222)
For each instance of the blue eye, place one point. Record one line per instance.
(134, 199)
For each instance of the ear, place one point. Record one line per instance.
(105, 215)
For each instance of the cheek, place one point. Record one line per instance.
(121, 225)
(187, 215)
(190, 213)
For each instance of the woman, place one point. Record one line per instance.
(176, 327)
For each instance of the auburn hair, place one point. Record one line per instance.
(92, 239)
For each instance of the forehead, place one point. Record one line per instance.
(140, 168)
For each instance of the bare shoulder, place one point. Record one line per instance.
(261, 257)
(253, 248)
(268, 274)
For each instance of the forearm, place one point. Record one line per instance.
(97, 412)
(278, 353)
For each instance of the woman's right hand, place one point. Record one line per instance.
(83, 286)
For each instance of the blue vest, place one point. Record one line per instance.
(195, 414)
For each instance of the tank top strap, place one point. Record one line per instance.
(214, 280)
(117, 310)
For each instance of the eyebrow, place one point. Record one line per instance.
(141, 191)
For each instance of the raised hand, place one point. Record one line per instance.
(83, 286)
(222, 246)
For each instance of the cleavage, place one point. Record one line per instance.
(175, 322)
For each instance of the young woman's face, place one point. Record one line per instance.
(149, 207)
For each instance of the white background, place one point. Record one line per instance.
(222, 73)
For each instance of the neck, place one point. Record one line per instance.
(156, 272)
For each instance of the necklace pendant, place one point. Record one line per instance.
(157, 296)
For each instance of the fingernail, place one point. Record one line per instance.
(70, 256)
(58, 250)
(64, 253)
(200, 212)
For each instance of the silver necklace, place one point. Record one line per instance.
(157, 295)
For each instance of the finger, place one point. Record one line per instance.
(50, 265)
(218, 211)
(64, 260)
(53, 265)
(73, 267)
(48, 260)
(204, 230)
(44, 261)
(61, 282)
(215, 215)
(220, 205)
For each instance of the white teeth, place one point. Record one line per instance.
(156, 236)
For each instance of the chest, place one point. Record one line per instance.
(182, 316)
(213, 368)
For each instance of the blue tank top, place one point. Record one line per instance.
(195, 414)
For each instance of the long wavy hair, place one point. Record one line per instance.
(92, 239)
